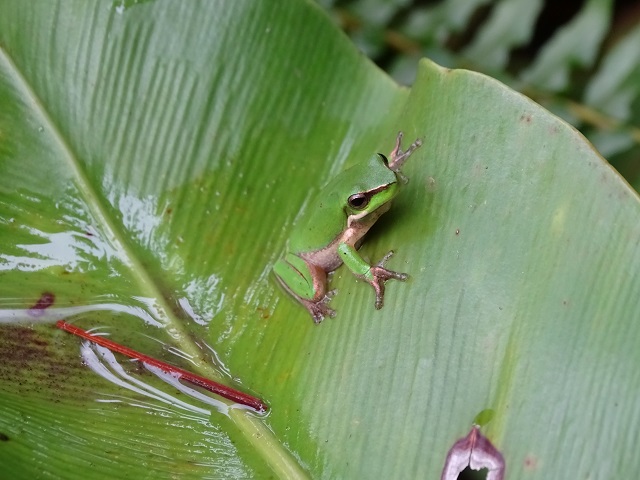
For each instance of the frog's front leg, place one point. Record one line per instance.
(397, 157)
(376, 274)
(307, 283)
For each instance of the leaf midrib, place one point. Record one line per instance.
(253, 428)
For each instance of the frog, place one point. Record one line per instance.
(333, 231)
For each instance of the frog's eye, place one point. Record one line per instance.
(358, 201)
(384, 159)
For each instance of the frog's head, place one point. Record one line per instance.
(375, 186)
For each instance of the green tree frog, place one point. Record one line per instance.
(333, 232)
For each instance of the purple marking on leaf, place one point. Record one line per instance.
(476, 452)
(45, 301)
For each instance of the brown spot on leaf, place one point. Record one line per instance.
(530, 463)
(45, 301)
(264, 312)
(34, 364)
(525, 117)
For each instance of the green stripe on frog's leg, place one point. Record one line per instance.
(307, 283)
(294, 273)
(376, 275)
(355, 262)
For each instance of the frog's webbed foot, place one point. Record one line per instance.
(398, 157)
(380, 276)
(319, 309)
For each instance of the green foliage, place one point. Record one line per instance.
(586, 70)
(153, 159)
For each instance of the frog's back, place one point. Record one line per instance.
(325, 220)
(326, 217)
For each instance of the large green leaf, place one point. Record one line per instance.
(153, 159)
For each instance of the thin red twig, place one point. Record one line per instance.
(215, 387)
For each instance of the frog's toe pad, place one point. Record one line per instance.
(319, 310)
(380, 277)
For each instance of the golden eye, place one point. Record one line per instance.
(358, 201)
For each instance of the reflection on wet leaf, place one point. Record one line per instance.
(102, 361)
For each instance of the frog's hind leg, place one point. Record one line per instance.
(319, 308)
(307, 283)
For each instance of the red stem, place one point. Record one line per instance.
(215, 387)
